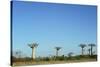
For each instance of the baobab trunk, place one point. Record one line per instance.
(82, 52)
(56, 53)
(91, 51)
(33, 53)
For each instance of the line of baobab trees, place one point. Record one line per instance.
(33, 46)
(90, 50)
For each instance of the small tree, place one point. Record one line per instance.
(70, 55)
(18, 54)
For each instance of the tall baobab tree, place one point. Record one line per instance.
(91, 48)
(82, 46)
(33, 46)
(57, 49)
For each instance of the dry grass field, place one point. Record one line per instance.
(51, 62)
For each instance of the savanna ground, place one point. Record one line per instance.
(53, 60)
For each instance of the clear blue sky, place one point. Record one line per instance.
(50, 25)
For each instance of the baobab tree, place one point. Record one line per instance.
(57, 49)
(33, 46)
(91, 48)
(82, 47)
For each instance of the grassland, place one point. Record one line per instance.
(62, 60)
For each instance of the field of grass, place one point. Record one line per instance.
(24, 63)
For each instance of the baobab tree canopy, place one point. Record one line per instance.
(92, 45)
(82, 45)
(57, 48)
(33, 45)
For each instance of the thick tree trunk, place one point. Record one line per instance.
(82, 52)
(56, 53)
(33, 53)
(91, 51)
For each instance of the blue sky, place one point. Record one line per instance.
(51, 25)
